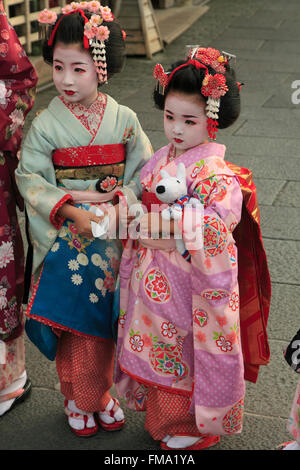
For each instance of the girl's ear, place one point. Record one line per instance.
(181, 173)
(164, 174)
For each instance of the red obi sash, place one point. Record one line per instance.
(89, 156)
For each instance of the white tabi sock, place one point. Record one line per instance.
(76, 423)
(180, 442)
(118, 415)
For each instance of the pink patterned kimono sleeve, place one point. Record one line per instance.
(219, 385)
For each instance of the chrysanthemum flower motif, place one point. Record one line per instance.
(223, 344)
(214, 86)
(6, 254)
(93, 298)
(168, 329)
(212, 57)
(136, 343)
(4, 93)
(3, 298)
(234, 301)
(17, 118)
(73, 265)
(76, 279)
(47, 17)
(55, 247)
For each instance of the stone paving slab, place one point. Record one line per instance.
(282, 223)
(284, 260)
(264, 146)
(283, 319)
(261, 19)
(267, 190)
(290, 195)
(286, 31)
(276, 382)
(271, 128)
(276, 167)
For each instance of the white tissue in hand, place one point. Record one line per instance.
(98, 230)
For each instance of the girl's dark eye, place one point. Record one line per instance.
(169, 117)
(189, 122)
(79, 70)
(58, 67)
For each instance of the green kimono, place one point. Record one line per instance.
(71, 148)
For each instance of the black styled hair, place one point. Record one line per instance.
(70, 31)
(189, 80)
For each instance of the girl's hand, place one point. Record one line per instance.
(81, 218)
(82, 221)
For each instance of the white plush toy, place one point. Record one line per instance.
(172, 190)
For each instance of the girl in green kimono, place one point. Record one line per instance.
(84, 151)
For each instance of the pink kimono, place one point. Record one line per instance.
(179, 327)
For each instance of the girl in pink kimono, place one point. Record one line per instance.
(179, 349)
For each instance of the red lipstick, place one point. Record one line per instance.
(70, 93)
(178, 141)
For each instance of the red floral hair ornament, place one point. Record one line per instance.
(213, 85)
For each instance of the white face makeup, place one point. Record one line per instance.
(185, 121)
(74, 74)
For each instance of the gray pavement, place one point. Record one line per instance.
(264, 35)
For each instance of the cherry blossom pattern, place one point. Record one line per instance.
(234, 301)
(224, 344)
(122, 318)
(136, 341)
(168, 329)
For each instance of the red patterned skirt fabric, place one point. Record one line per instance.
(85, 370)
(168, 413)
